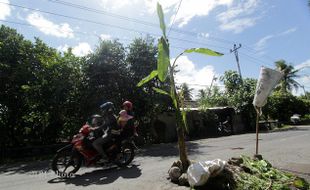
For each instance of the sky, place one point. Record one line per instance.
(267, 31)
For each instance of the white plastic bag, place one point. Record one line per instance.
(199, 173)
(267, 80)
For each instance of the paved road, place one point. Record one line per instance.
(289, 150)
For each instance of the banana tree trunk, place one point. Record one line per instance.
(182, 149)
(179, 121)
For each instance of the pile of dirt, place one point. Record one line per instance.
(244, 173)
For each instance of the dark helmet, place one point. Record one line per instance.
(107, 107)
(96, 120)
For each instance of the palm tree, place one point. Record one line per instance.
(288, 82)
(201, 94)
(187, 92)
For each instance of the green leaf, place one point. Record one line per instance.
(205, 51)
(25, 87)
(163, 59)
(160, 91)
(161, 19)
(152, 75)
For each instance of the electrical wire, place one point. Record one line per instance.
(175, 15)
(128, 29)
(108, 25)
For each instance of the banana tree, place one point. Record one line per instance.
(165, 69)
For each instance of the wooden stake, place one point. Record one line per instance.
(257, 118)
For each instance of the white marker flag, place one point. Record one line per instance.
(267, 80)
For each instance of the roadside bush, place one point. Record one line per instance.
(282, 106)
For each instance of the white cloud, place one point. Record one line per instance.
(304, 79)
(204, 35)
(116, 4)
(239, 17)
(304, 65)
(166, 5)
(238, 25)
(81, 49)
(261, 43)
(105, 37)
(289, 31)
(188, 10)
(63, 48)
(62, 30)
(196, 78)
(198, 8)
(5, 10)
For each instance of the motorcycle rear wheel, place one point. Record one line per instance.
(127, 155)
(66, 163)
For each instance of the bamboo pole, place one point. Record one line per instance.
(257, 118)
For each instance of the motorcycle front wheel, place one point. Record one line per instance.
(66, 163)
(126, 155)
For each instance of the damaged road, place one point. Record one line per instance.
(287, 150)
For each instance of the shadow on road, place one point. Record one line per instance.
(171, 149)
(21, 168)
(100, 176)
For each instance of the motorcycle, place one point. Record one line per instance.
(70, 158)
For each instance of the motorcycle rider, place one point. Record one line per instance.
(106, 131)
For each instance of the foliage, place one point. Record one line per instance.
(40, 90)
(237, 94)
(282, 106)
(212, 98)
(186, 92)
(46, 95)
(261, 175)
(288, 81)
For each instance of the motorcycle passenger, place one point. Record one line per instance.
(128, 107)
(126, 123)
(105, 132)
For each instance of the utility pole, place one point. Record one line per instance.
(235, 50)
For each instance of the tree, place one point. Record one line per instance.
(106, 76)
(215, 97)
(165, 71)
(40, 90)
(282, 106)
(186, 92)
(201, 94)
(142, 59)
(288, 81)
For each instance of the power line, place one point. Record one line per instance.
(77, 6)
(175, 16)
(108, 25)
(81, 33)
(124, 28)
(89, 9)
(253, 59)
(257, 52)
(220, 40)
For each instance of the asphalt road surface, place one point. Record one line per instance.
(288, 150)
